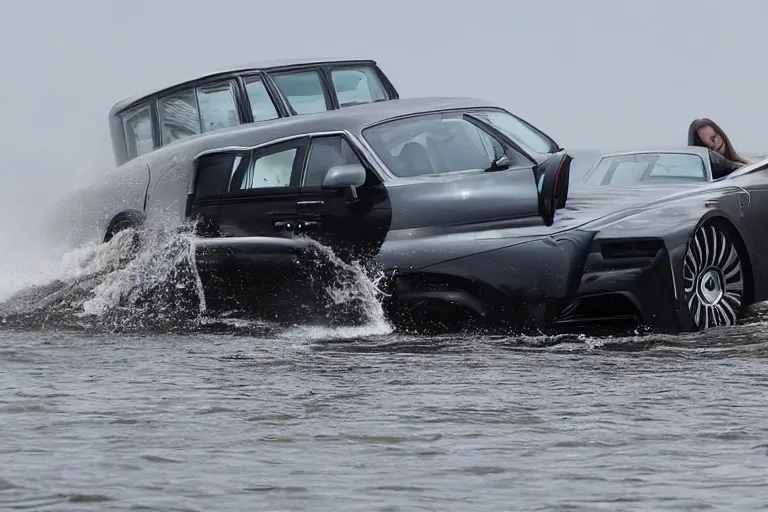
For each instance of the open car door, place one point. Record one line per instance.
(551, 163)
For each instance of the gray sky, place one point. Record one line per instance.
(592, 73)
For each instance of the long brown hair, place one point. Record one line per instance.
(695, 140)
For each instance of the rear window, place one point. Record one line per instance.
(137, 124)
(355, 85)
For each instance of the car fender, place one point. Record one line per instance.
(167, 198)
(674, 223)
(87, 212)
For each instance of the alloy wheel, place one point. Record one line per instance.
(713, 278)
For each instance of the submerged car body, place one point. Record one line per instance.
(464, 208)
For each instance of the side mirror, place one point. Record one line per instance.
(345, 177)
(553, 185)
(502, 163)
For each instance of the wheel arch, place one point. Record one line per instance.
(123, 220)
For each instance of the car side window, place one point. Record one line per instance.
(262, 107)
(137, 124)
(273, 167)
(217, 106)
(357, 85)
(303, 90)
(324, 153)
(179, 116)
(215, 171)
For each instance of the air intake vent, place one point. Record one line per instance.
(631, 249)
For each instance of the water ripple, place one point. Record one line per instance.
(387, 422)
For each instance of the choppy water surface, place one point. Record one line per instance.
(252, 417)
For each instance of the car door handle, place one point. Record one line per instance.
(282, 224)
(308, 224)
(310, 203)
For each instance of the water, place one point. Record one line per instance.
(102, 411)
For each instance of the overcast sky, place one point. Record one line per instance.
(592, 73)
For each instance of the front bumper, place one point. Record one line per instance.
(628, 280)
(569, 281)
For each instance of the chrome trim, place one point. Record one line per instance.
(224, 149)
(742, 207)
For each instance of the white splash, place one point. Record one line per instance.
(352, 287)
(137, 279)
(162, 256)
(148, 279)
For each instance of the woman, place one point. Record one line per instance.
(706, 133)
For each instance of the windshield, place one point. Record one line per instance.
(436, 143)
(648, 167)
(526, 136)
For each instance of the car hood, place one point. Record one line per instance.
(587, 209)
(602, 200)
(588, 205)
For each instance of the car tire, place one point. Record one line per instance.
(134, 244)
(715, 271)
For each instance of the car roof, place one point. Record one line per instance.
(358, 117)
(263, 65)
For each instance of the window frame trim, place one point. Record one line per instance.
(364, 153)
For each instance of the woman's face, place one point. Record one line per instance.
(711, 139)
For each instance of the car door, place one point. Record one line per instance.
(251, 263)
(354, 229)
(261, 196)
(212, 174)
